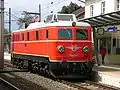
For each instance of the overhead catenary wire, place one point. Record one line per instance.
(51, 5)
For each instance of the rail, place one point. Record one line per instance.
(8, 85)
(89, 85)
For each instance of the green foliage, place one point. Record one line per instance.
(26, 19)
(69, 9)
(20, 21)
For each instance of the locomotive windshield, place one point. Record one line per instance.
(81, 34)
(65, 34)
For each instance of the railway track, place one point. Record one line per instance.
(102, 86)
(89, 85)
(9, 75)
(5, 85)
(10, 68)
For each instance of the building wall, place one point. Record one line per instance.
(109, 40)
(110, 6)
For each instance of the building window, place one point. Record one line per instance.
(46, 34)
(118, 4)
(28, 36)
(91, 10)
(22, 36)
(102, 7)
(37, 35)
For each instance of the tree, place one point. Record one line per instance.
(70, 8)
(27, 19)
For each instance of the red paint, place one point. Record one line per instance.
(49, 47)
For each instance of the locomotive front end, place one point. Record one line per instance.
(73, 52)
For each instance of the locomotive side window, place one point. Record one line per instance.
(81, 34)
(37, 35)
(18, 37)
(12, 38)
(28, 36)
(15, 37)
(46, 34)
(65, 34)
(22, 36)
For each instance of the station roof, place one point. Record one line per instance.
(103, 20)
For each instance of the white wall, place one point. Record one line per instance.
(110, 6)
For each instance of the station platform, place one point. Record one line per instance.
(107, 74)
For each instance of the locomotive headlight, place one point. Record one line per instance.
(61, 49)
(73, 24)
(86, 49)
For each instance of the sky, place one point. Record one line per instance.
(18, 6)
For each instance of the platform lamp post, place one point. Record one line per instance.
(1, 34)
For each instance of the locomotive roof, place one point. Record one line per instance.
(55, 24)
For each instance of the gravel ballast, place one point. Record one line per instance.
(20, 83)
(30, 80)
(43, 81)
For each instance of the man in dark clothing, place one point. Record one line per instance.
(103, 52)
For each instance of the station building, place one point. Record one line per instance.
(104, 16)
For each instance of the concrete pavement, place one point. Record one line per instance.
(7, 56)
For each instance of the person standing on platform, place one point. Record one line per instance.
(103, 53)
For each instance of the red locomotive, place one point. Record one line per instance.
(61, 47)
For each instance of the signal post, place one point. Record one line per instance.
(1, 34)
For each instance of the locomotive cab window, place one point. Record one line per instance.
(65, 34)
(81, 34)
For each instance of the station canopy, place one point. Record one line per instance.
(103, 20)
